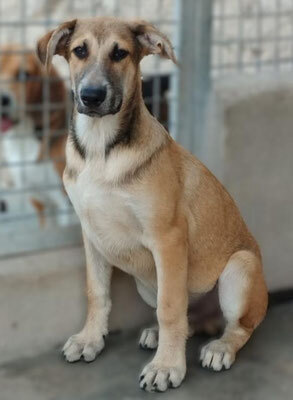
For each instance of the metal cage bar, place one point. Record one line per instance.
(194, 76)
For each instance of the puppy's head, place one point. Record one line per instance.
(103, 56)
(20, 82)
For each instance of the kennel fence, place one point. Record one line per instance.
(23, 177)
(213, 39)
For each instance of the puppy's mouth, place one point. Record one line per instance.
(6, 123)
(100, 111)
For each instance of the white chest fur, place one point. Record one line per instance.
(109, 219)
(102, 209)
(111, 216)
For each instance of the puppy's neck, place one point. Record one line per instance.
(93, 134)
(99, 137)
(122, 145)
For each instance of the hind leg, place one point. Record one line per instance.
(149, 338)
(243, 300)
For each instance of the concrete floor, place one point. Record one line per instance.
(263, 370)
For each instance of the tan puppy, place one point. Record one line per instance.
(147, 206)
(23, 83)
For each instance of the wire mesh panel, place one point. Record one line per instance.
(251, 36)
(35, 107)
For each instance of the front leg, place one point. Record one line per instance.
(168, 367)
(90, 341)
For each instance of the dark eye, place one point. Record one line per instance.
(118, 54)
(22, 76)
(81, 51)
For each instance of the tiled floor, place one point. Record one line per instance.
(263, 371)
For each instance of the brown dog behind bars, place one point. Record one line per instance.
(29, 110)
(147, 206)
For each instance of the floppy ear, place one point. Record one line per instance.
(152, 41)
(55, 42)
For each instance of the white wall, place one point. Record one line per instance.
(249, 144)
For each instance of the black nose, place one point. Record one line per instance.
(93, 96)
(5, 100)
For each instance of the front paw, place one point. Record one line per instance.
(158, 378)
(80, 345)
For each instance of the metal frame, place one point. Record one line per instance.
(194, 78)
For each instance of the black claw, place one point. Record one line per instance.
(145, 347)
(63, 353)
(209, 366)
(144, 386)
(141, 378)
